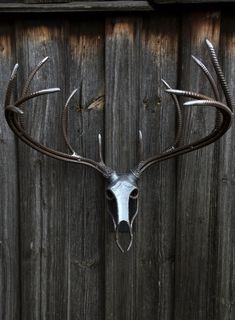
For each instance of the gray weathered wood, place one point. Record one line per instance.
(156, 221)
(196, 207)
(44, 216)
(85, 189)
(224, 259)
(9, 206)
(121, 115)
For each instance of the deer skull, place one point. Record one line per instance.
(122, 197)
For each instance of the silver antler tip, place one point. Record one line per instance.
(176, 91)
(72, 94)
(100, 141)
(192, 103)
(50, 90)
(165, 83)
(16, 66)
(55, 89)
(100, 148)
(209, 44)
(170, 90)
(70, 97)
(45, 59)
(74, 91)
(195, 59)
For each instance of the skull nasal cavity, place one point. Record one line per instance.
(123, 227)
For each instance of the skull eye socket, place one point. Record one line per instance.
(109, 195)
(112, 206)
(134, 194)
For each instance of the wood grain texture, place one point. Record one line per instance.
(224, 260)
(121, 115)
(9, 205)
(85, 190)
(44, 252)
(155, 247)
(196, 196)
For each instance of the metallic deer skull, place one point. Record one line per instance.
(121, 189)
(122, 197)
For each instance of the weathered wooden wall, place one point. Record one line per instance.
(58, 258)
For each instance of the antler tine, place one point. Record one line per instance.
(179, 123)
(32, 74)
(100, 149)
(65, 123)
(212, 137)
(188, 94)
(11, 85)
(11, 112)
(208, 75)
(141, 145)
(36, 94)
(213, 85)
(25, 96)
(220, 74)
(65, 131)
(221, 126)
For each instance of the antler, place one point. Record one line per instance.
(223, 116)
(14, 112)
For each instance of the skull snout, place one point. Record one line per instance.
(124, 236)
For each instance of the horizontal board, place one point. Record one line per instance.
(36, 6)
(188, 1)
(77, 6)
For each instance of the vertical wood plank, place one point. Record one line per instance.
(85, 67)
(224, 266)
(42, 182)
(196, 193)
(156, 221)
(121, 116)
(9, 206)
